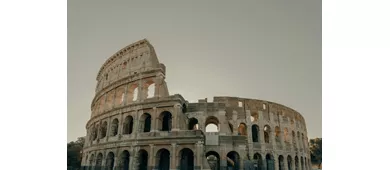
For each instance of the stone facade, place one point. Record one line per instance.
(136, 125)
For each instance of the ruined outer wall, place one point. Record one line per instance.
(286, 130)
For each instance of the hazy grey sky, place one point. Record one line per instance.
(252, 49)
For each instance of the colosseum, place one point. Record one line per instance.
(136, 124)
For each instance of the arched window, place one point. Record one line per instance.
(124, 160)
(103, 130)
(166, 118)
(114, 127)
(258, 161)
(255, 133)
(242, 129)
(213, 159)
(289, 162)
(212, 124)
(145, 123)
(193, 124)
(143, 160)
(110, 161)
(151, 87)
(277, 134)
(128, 125)
(135, 94)
(186, 159)
(281, 162)
(163, 159)
(233, 160)
(99, 160)
(269, 162)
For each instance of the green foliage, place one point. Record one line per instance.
(74, 152)
(316, 151)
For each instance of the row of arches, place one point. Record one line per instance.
(162, 162)
(118, 96)
(145, 125)
(212, 125)
(233, 162)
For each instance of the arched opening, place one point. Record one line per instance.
(103, 130)
(193, 124)
(114, 127)
(286, 139)
(151, 88)
(110, 161)
(258, 161)
(242, 129)
(184, 108)
(135, 94)
(99, 160)
(277, 134)
(145, 122)
(281, 162)
(267, 131)
(143, 160)
(91, 161)
(186, 159)
(124, 160)
(166, 118)
(233, 160)
(289, 162)
(94, 132)
(270, 162)
(213, 159)
(212, 124)
(254, 116)
(128, 125)
(255, 133)
(302, 163)
(296, 163)
(163, 159)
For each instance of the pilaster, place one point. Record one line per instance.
(173, 158)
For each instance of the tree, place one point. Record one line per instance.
(74, 152)
(316, 151)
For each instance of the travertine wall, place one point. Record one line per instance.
(135, 126)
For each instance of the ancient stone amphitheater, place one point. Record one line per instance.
(137, 125)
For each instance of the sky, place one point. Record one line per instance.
(268, 50)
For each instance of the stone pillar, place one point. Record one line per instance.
(299, 164)
(108, 132)
(293, 164)
(276, 161)
(285, 162)
(134, 158)
(223, 161)
(151, 161)
(120, 126)
(153, 127)
(175, 122)
(157, 83)
(173, 164)
(199, 154)
(116, 162)
(265, 163)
